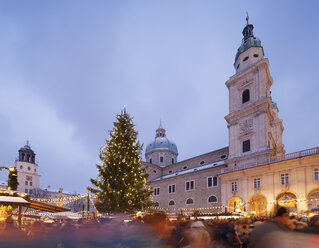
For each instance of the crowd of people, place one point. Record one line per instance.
(156, 230)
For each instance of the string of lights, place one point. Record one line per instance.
(243, 203)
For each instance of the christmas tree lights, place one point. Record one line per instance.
(121, 183)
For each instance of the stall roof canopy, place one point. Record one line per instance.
(12, 200)
(47, 207)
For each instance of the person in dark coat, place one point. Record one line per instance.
(314, 225)
(261, 235)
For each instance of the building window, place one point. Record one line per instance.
(161, 159)
(35, 170)
(30, 191)
(26, 190)
(29, 168)
(202, 162)
(284, 179)
(246, 58)
(316, 174)
(154, 171)
(190, 185)
(30, 183)
(150, 160)
(171, 189)
(234, 186)
(156, 191)
(256, 183)
(189, 201)
(212, 199)
(223, 157)
(156, 204)
(21, 167)
(171, 203)
(26, 182)
(170, 171)
(246, 146)
(185, 167)
(212, 181)
(173, 161)
(245, 96)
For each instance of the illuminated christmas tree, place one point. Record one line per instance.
(121, 183)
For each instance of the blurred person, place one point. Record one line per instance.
(229, 236)
(261, 234)
(314, 225)
(11, 236)
(197, 236)
(162, 226)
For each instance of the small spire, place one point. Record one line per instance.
(27, 144)
(124, 108)
(160, 126)
(247, 17)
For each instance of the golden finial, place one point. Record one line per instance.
(247, 17)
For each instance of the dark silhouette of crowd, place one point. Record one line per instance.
(156, 230)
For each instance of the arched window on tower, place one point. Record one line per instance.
(28, 158)
(171, 203)
(22, 157)
(246, 96)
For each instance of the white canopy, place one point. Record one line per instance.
(11, 199)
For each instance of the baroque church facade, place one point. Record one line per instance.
(253, 175)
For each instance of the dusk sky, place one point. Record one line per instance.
(68, 67)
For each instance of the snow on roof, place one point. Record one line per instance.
(203, 167)
(12, 199)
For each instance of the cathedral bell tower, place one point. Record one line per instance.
(27, 169)
(255, 131)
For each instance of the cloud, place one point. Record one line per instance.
(29, 117)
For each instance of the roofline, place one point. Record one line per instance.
(197, 157)
(174, 175)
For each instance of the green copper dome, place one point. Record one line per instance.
(249, 40)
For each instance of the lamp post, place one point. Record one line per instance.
(88, 203)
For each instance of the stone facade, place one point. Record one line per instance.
(253, 175)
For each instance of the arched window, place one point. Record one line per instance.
(156, 204)
(173, 161)
(171, 203)
(23, 157)
(151, 161)
(189, 201)
(246, 96)
(28, 158)
(212, 199)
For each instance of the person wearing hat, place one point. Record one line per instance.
(314, 225)
(261, 234)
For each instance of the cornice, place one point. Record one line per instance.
(252, 70)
